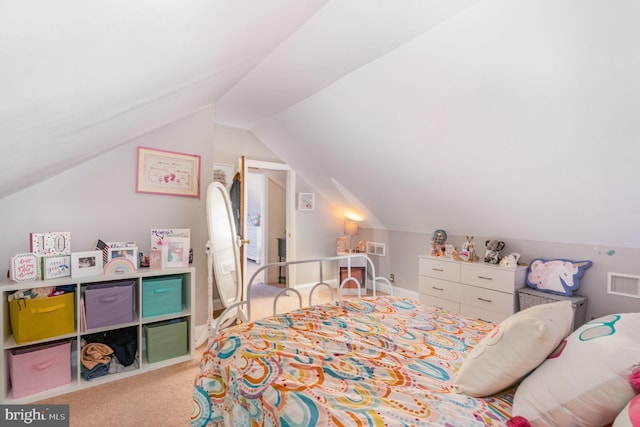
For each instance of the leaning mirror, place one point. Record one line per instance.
(222, 251)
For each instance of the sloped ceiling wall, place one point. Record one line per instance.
(511, 119)
(517, 119)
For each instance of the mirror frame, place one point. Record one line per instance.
(217, 193)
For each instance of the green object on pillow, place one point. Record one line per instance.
(515, 347)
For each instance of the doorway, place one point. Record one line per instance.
(269, 201)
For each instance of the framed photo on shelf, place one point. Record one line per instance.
(86, 263)
(175, 252)
(56, 266)
(168, 172)
(341, 245)
(306, 201)
(129, 252)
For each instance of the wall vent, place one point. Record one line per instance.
(625, 285)
(374, 248)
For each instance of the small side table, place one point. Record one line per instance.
(529, 297)
(358, 271)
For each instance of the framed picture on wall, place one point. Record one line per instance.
(306, 201)
(168, 172)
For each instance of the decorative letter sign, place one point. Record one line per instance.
(24, 268)
(57, 243)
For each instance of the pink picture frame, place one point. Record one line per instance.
(168, 172)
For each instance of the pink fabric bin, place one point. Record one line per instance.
(39, 368)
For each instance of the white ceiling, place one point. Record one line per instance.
(486, 117)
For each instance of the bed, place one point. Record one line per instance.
(352, 362)
(388, 361)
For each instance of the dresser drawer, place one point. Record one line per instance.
(486, 315)
(439, 288)
(452, 306)
(494, 301)
(439, 269)
(489, 277)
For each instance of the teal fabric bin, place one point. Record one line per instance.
(161, 295)
(166, 340)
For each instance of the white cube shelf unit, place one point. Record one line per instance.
(181, 282)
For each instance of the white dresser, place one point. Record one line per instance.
(479, 290)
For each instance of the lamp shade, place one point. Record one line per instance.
(350, 228)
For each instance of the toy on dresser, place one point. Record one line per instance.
(438, 246)
(493, 249)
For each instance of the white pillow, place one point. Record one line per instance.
(587, 382)
(515, 347)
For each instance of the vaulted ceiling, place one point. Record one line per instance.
(514, 119)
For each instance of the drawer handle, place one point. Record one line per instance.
(161, 291)
(484, 299)
(108, 299)
(437, 269)
(437, 289)
(47, 309)
(485, 278)
(44, 365)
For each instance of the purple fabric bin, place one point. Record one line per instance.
(109, 304)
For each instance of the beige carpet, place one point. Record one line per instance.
(157, 398)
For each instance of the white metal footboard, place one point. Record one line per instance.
(244, 306)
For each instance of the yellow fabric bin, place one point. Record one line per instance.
(41, 318)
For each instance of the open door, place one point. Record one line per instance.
(244, 165)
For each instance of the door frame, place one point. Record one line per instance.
(290, 195)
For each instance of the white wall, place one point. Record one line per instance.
(98, 200)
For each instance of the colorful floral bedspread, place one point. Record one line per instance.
(376, 361)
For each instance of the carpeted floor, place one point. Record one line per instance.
(158, 398)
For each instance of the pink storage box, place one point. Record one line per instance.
(39, 368)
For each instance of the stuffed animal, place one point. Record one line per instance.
(492, 252)
(468, 252)
(510, 261)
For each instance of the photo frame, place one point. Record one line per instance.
(129, 253)
(175, 252)
(87, 263)
(55, 266)
(341, 245)
(306, 201)
(168, 172)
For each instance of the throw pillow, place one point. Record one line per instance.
(515, 347)
(587, 381)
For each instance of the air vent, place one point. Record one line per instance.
(624, 284)
(374, 248)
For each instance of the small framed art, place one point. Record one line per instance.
(24, 268)
(341, 245)
(175, 252)
(306, 201)
(129, 252)
(86, 263)
(55, 266)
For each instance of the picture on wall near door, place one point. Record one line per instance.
(306, 201)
